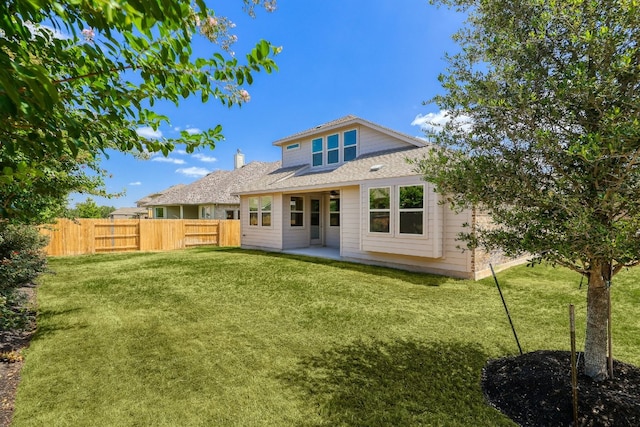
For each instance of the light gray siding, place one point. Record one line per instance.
(371, 141)
(295, 237)
(258, 237)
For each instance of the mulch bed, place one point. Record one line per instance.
(11, 345)
(535, 390)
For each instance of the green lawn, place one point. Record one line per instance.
(225, 337)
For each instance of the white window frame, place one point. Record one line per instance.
(340, 149)
(293, 211)
(159, 209)
(400, 211)
(389, 210)
(260, 211)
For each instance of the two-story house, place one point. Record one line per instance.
(346, 186)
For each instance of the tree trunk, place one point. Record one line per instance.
(595, 347)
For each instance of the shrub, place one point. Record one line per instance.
(14, 313)
(21, 256)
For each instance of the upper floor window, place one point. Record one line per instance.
(297, 211)
(317, 149)
(333, 149)
(350, 145)
(293, 146)
(411, 209)
(379, 210)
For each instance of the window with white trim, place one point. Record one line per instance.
(411, 209)
(260, 211)
(159, 213)
(333, 149)
(350, 143)
(297, 211)
(254, 203)
(379, 210)
(317, 151)
(265, 211)
(334, 213)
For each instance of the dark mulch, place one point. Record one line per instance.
(535, 390)
(11, 345)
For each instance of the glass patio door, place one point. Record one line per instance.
(316, 222)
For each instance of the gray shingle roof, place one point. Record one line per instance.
(217, 187)
(148, 200)
(393, 164)
(133, 212)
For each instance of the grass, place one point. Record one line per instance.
(208, 337)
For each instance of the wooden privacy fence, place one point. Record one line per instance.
(90, 236)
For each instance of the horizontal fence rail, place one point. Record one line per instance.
(90, 236)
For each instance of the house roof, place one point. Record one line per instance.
(148, 200)
(215, 188)
(347, 121)
(129, 212)
(379, 165)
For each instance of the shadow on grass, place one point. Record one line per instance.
(414, 278)
(47, 325)
(402, 383)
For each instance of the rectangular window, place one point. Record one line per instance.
(159, 213)
(293, 146)
(297, 211)
(334, 213)
(253, 210)
(379, 209)
(205, 212)
(265, 209)
(411, 209)
(333, 149)
(350, 145)
(229, 214)
(317, 147)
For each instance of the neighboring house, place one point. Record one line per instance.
(210, 197)
(347, 185)
(129, 213)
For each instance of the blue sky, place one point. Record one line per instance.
(376, 59)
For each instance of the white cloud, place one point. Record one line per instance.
(193, 131)
(193, 171)
(435, 122)
(205, 158)
(135, 183)
(148, 132)
(40, 28)
(183, 152)
(168, 160)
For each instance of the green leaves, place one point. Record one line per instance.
(79, 77)
(554, 151)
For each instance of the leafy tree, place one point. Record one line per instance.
(40, 195)
(90, 209)
(544, 102)
(77, 78)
